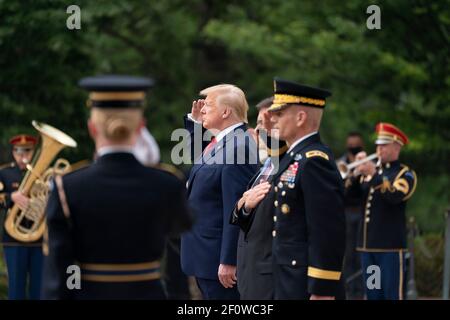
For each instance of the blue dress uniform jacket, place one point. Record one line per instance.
(23, 259)
(309, 227)
(113, 223)
(383, 228)
(10, 178)
(215, 184)
(384, 225)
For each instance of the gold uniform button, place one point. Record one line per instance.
(370, 198)
(367, 211)
(280, 184)
(294, 262)
(276, 189)
(368, 205)
(367, 219)
(274, 218)
(275, 203)
(372, 190)
(283, 193)
(274, 233)
(285, 208)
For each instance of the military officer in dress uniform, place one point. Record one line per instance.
(113, 217)
(309, 222)
(386, 189)
(23, 259)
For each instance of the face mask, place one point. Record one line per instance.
(354, 150)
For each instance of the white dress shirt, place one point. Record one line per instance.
(115, 149)
(300, 140)
(227, 130)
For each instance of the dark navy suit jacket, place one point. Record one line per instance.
(217, 180)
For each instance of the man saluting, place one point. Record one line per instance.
(218, 178)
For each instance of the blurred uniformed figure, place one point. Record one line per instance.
(176, 284)
(254, 253)
(352, 273)
(23, 259)
(113, 217)
(175, 281)
(386, 189)
(309, 224)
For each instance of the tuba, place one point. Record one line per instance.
(29, 225)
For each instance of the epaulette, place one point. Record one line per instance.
(170, 169)
(316, 153)
(76, 167)
(79, 165)
(7, 165)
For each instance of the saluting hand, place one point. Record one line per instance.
(266, 123)
(227, 275)
(196, 108)
(254, 196)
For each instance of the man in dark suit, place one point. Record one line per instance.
(308, 207)
(254, 258)
(353, 203)
(218, 178)
(112, 218)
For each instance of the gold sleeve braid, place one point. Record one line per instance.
(401, 184)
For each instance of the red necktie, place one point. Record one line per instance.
(210, 146)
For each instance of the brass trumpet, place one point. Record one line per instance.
(345, 169)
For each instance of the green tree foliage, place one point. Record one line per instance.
(398, 74)
(429, 261)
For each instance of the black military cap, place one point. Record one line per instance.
(116, 91)
(288, 92)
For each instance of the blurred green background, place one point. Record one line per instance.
(398, 74)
